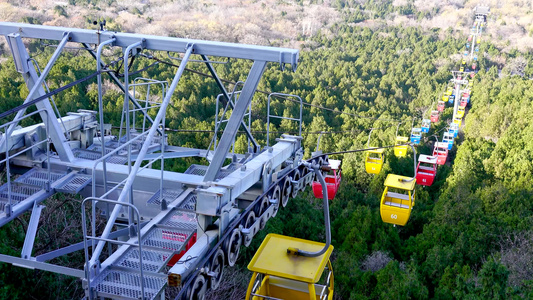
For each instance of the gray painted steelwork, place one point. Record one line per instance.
(208, 48)
(205, 192)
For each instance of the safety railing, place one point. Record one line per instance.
(233, 97)
(7, 135)
(286, 97)
(89, 273)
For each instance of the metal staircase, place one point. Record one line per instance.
(162, 238)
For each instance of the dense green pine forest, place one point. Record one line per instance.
(471, 232)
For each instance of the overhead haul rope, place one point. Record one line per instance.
(57, 91)
(47, 95)
(267, 93)
(363, 150)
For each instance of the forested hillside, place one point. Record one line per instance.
(471, 232)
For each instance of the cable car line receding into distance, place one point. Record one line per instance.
(281, 169)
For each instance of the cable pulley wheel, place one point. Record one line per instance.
(295, 177)
(304, 172)
(263, 206)
(216, 266)
(233, 247)
(276, 195)
(197, 289)
(286, 191)
(250, 220)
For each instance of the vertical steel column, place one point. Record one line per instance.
(34, 84)
(457, 97)
(256, 72)
(101, 113)
(140, 157)
(126, 109)
(101, 105)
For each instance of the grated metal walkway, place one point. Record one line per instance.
(162, 240)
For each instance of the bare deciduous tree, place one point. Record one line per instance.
(517, 256)
(375, 261)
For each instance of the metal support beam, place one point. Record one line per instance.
(34, 84)
(457, 98)
(32, 231)
(248, 90)
(220, 49)
(79, 246)
(167, 155)
(225, 100)
(129, 182)
(32, 264)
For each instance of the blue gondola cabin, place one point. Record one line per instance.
(416, 135)
(448, 139)
(426, 123)
(451, 98)
(454, 128)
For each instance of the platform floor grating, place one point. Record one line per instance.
(19, 193)
(168, 194)
(153, 260)
(98, 148)
(127, 285)
(94, 155)
(200, 171)
(181, 219)
(39, 178)
(75, 184)
(189, 203)
(166, 239)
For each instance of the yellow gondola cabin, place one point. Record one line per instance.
(460, 111)
(401, 151)
(280, 275)
(398, 199)
(374, 161)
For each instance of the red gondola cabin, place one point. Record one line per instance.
(440, 105)
(426, 170)
(441, 153)
(434, 116)
(464, 102)
(332, 181)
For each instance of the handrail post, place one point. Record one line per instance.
(126, 109)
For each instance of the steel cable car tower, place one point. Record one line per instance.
(197, 220)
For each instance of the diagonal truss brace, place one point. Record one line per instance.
(225, 100)
(34, 84)
(248, 90)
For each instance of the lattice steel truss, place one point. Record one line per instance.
(161, 216)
